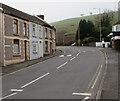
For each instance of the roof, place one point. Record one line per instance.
(22, 15)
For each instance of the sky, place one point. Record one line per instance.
(56, 10)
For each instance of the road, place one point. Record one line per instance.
(76, 74)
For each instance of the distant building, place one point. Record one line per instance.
(22, 36)
(116, 36)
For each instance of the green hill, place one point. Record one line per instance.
(69, 26)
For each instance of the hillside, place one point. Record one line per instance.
(69, 26)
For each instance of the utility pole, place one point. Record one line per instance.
(78, 33)
(100, 27)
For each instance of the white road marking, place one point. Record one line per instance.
(8, 96)
(84, 51)
(72, 58)
(86, 98)
(35, 80)
(77, 54)
(69, 55)
(82, 94)
(62, 65)
(16, 90)
(61, 56)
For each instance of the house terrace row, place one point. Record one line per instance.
(23, 36)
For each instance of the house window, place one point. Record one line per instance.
(40, 36)
(118, 28)
(15, 26)
(50, 33)
(33, 29)
(16, 46)
(25, 29)
(34, 49)
(45, 32)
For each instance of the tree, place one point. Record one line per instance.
(85, 29)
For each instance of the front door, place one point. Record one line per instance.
(26, 50)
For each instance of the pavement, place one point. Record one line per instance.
(18, 66)
(110, 89)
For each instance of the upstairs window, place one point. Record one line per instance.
(15, 26)
(45, 32)
(50, 33)
(25, 29)
(40, 32)
(33, 29)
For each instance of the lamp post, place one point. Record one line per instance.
(78, 34)
(100, 25)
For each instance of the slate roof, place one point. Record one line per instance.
(22, 15)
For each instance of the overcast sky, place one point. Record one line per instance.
(55, 10)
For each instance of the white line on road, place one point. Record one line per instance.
(77, 54)
(69, 55)
(16, 90)
(82, 94)
(61, 56)
(72, 58)
(8, 96)
(86, 98)
(62, 65)
(35, 80)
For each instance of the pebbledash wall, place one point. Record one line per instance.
(36, 40)
(22, 36)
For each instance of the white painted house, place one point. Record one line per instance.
(36, 40)
(116, 28)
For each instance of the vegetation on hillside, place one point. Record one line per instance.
(70, 26)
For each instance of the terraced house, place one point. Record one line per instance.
(21, 36)
(116, 36)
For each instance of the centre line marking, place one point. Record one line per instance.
(72, 58)
(16, 90)
(77, 54)
(69, 55)
(61, 56)
(62, 65)
(82, 94)
(35, 80)
(86, 98)
(8, 96)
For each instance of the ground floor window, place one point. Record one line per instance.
(16, 46)
(34, 48)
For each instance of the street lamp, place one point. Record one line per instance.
(78, 33)
(100, 25)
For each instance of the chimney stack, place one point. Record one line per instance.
(41, 16)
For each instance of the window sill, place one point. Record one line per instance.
(16, 55)
(16, 34)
